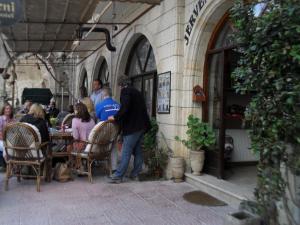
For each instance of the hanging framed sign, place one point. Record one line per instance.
(164, 92)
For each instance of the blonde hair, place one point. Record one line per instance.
(88, 103)
(37, 111)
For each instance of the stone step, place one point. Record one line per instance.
(228, 192)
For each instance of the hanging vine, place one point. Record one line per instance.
(268, 38)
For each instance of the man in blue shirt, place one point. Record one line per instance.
(104, 109)
(108, 106)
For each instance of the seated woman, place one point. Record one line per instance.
(6, 117)
(36, 117)
(82, 125)
(88, 103)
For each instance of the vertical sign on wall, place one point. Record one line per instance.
(10, 12)
(192, 20)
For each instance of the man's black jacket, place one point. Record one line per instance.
(132, 116)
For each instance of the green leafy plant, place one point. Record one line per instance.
(53, 121)
(155, 158)
(200, 135)
(270, 63)
(150, 140)
(157, 161)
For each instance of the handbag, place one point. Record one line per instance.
(62, 172)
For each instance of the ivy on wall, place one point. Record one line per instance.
(269, 42)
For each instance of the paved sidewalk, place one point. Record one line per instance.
(81, 203)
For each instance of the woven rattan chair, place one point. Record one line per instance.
(67, 121)
(98, 148)
(23, 147)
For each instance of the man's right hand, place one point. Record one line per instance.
(111, 118)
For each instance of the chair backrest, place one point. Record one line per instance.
(22, 142)
(102, 138)
(68, 120)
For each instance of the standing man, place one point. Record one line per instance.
(108, 107)
(134, 122)
(96, 95)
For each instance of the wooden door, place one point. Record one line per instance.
(214, 162)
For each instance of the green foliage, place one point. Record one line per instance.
(150, 141)
(53, 121)
(157, 161)
(270, 63)
(155, 158)
(200, 135)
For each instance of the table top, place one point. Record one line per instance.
(61, 135)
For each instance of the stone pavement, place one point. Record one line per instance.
(81, 203)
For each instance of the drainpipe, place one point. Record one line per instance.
(102, 30)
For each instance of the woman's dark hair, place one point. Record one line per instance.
(71, 109)
(83, 92)
(12, 111)
(82, 112)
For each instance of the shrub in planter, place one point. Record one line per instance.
(200, 137)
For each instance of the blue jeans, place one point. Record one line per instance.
(131, 146)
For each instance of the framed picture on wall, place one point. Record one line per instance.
(164, 92)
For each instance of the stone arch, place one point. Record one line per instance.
(97, 66)
(130, 39)
(212, 13)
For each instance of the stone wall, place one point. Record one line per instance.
(165, 27)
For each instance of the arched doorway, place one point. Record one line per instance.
(224, 109)
(141, 67)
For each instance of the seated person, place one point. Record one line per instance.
(36, 117)
(108, 107)
(52, 111)
(5, 118)
(82, 125)
(26, 107)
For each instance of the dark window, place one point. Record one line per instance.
(84, 82)
(103, 74)
(141, 68)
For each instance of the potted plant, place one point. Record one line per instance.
(200, 137)
(157, 162)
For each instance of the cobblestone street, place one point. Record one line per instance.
(81, 203)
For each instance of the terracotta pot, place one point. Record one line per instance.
(197, 161)
(177, 165)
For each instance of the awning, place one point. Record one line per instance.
(51, 25)
(37, 95)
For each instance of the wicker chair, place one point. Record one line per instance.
(98, 148)
(68, 120)
(23, 147)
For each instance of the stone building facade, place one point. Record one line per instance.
(187, 39)
(179, 33)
